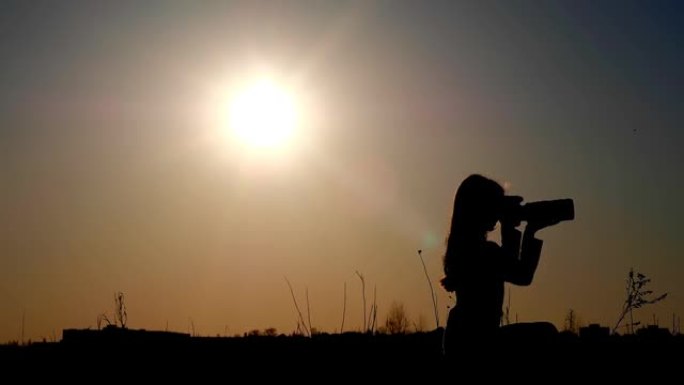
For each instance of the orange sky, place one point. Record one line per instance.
(116, 174)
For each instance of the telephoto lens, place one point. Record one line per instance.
(552, 211)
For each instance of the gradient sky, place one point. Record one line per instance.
(115, 174)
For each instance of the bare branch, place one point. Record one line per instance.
(363, 293)
(344, 307)
(301, 318)
(432, 290)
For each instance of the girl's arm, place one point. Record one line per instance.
(520, 263)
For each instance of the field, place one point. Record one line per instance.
(349, 354)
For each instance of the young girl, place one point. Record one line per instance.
(476, 268)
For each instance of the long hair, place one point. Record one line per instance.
(476, 203)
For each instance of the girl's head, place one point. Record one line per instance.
(477, 208)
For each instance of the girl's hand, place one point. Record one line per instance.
(510, 213)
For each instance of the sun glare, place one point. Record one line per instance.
(263, 116)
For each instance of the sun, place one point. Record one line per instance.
(263, 116)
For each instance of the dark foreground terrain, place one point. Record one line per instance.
(163, 355)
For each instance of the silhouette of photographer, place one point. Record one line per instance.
(476, 268)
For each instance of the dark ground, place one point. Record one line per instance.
(121, 352)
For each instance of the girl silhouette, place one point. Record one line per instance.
(476, 269)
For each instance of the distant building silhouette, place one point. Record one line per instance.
(653, 332)
(594, 331)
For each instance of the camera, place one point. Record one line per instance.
(543, 212)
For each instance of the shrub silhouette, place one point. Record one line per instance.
(397, 321)
(120, 314)
(637, 296)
